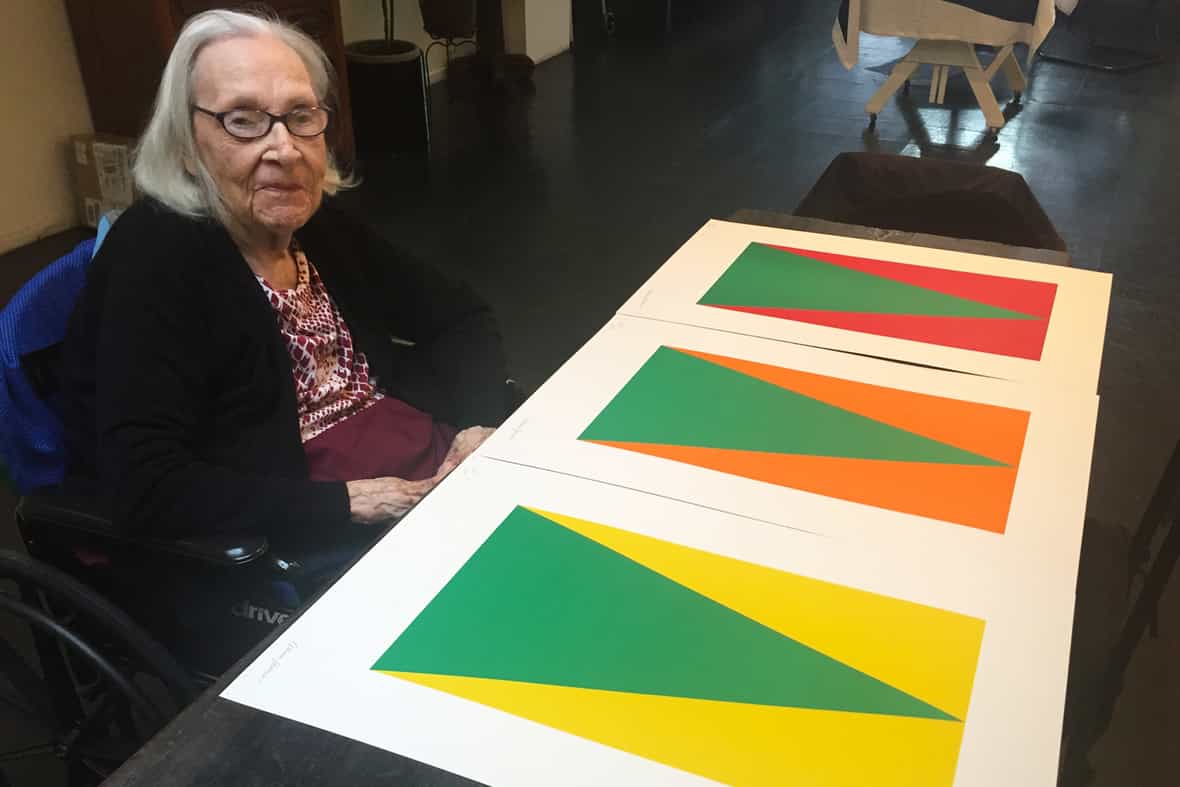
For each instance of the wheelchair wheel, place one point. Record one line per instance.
(89, 684)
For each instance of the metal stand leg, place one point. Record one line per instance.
(427, 102)
(431, 46)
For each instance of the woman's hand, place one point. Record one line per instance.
(378, 501)
(463, 446)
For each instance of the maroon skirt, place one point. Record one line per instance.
(389, 438)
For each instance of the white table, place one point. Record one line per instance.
(946, 34)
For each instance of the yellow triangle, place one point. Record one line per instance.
(926, 652)
(732, 742)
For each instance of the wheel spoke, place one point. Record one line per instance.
(38, 750)
(28, 687)
(108, 751)
(101, 664)
(88, 723)
(13, 702)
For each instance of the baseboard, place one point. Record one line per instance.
(439, 73)
(34, 231)
(543, 56)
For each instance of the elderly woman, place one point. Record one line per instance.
(244, 359)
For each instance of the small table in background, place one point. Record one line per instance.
(947, 32)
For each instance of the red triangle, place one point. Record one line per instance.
(1014, 338)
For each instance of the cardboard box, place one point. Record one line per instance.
(100, 167)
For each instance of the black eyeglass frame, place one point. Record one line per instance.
(221, 116)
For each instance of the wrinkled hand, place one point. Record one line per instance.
(376, 501)
(463, 446)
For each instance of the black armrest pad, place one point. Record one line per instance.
(62, 509)
(222, 550)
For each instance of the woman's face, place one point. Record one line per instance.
(273, 184)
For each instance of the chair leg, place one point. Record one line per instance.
(1162, 512)
(1014, 74)
(901, 72)
(986, 98)
(1163, 502)
(1140, 620)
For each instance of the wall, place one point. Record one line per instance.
(540, 28)
(43, 104)
(515, 19)
(547, 28)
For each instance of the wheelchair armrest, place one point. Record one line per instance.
(219, 550)
(64, 510)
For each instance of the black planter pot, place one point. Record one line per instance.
(390, 91)
(448, 19)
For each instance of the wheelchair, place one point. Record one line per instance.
(124, 630)
(105, 636)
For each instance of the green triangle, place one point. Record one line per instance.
(679, 399)
(539, 603)
(766, 277)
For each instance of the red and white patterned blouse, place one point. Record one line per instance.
(331, 378)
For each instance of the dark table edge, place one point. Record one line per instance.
(768, 218)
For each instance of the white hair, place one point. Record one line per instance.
(168, 143)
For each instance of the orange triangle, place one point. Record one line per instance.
(970, 495)
(995, 432)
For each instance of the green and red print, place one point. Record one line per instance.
(970, 311)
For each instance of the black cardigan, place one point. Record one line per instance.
(178, 389)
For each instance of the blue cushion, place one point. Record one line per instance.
(36, 317)
(104, 226)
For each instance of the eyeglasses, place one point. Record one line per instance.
(257, 123)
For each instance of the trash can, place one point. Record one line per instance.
(390, 91)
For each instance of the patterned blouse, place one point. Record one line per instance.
(331, 379)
